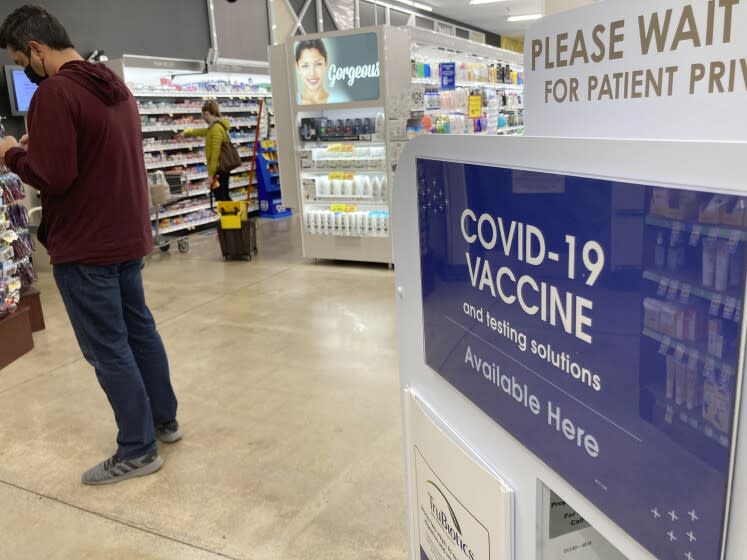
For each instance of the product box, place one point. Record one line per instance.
(671, 376)
(717, 404)
(674, 204)
(309, 130)
(711, 212)
(734, 213)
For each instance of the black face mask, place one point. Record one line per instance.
(31, 74)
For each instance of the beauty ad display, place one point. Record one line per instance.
(623, 380)
(337, 69)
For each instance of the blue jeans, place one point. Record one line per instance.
(118, 337)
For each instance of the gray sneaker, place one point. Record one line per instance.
(169, 432)
(115, 469)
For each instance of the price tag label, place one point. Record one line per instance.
(475, 106)
(663, 285)
(715, 305)
(338, 208)
(674, 285)
(685, 293)
(695, 235)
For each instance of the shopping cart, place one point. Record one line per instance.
(165, 189)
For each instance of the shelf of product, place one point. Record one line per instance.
(346, 187)
(150, 124)
(240, 94)
(694, 268)
(16, 243)
(151, 144)
(268, 181)
(346, 221)
(190, 107)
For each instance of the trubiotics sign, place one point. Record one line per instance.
(598, 323)
(640, 69)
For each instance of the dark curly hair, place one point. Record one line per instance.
(317, 44)
(33, 23)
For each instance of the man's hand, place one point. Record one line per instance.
(6, 144)
(24, 143)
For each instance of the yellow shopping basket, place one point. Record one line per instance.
(233, 213)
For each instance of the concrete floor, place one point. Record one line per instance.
(287, 378)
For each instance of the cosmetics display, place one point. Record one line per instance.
(695, 265)
(344, 128)
(347, 135)
(495, 73)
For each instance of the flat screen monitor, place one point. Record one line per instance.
(20, 90)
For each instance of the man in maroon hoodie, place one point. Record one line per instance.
(84, 154)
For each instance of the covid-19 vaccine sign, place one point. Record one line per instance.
(599, 324)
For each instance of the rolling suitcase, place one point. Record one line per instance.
(237, 233)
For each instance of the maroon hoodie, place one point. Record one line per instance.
(85, 157)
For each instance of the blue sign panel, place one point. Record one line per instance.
(447, 70)
(598, 323)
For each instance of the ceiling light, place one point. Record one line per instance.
(528, 17)
(418, 5)
(478, 2)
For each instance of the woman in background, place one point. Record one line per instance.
(215, 134)
(311, 64)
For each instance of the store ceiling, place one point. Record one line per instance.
(490, 17)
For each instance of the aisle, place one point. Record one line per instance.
(286, 374)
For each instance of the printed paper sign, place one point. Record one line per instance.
(462, 511)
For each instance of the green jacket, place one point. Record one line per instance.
(215, 135)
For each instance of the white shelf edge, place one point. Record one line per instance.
(196, 111)
(200, 94)
(191, 145)
(184, 126)
(189, 225)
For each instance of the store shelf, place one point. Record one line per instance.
(183, 126)
(310, 144)
(173, 163)
(509, 129)
(168, 147)
(190, 145)
(466, 84)
(688, 349)
(201, 94)
(200, 192)
(706, 230)
(180, 211)
(352, 200)
(691, 285)
(353, 170)
(691, 417)
(205, 175)
(188, 225)
(192, 111)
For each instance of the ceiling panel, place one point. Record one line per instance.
(491, 17)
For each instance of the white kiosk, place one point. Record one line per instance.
(571, 309)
